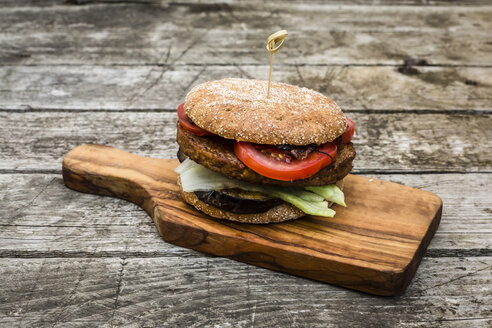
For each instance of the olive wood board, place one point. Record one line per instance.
(373, 245)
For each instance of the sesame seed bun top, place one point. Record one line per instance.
(239, 109)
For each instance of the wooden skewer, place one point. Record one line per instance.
(274, 43)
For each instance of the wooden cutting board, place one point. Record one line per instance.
(374, 245)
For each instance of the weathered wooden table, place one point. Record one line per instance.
(415, 76)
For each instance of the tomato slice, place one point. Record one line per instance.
(348, 135)
(186, 123)
(273, 168)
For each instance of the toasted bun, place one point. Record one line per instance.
(276, 214)
(239, 109)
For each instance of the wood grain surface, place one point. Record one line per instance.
(102, 227)
(173, 33)
(210, 291)
(396, 142)
(198, 291)
(112, 72)
(381, 88)
(374, 245)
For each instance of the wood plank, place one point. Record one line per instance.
(34, 223)
(156, 88)
(42, 3)
(185, 292)
(383, 142)
(196, 33)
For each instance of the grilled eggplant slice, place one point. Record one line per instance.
(238, 201)
(181, 156)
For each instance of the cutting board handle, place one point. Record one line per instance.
(104, 170)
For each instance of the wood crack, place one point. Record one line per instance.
(252, 64)
(110, 2)
(460, 277)
(166, 68)
(118, 288)
(186, 89)
(423, 111)
(19, 210)
(5, 253)
(301, 78)
(70, 297)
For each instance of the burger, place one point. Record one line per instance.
(251, 158)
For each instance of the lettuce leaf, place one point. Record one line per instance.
(331, 193)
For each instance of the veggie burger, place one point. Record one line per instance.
(253, 159)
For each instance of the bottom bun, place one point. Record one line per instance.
(280, 213)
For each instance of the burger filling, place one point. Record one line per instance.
(217, 154)
(311, 200)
